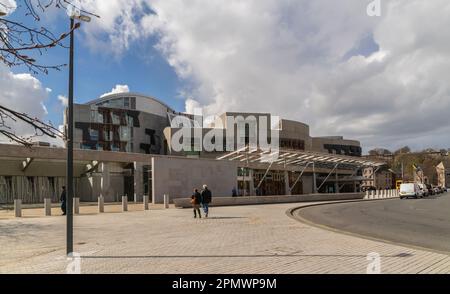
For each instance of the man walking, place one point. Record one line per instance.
(63, 200)
(206, 199)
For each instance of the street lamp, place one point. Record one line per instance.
(69, 172)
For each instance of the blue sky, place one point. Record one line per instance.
(382, 80)
(141, 67)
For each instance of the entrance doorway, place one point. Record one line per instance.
(128, 187)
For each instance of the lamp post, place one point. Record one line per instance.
(69, 172)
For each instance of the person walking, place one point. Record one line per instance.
(63, 200)
(196, 200)
(234, 192)
(206, 199)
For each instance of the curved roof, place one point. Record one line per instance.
(126, 94)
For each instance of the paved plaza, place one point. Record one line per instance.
(246, 239)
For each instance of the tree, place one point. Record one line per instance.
(18, 42)
(403, 150)
(380, 151)
(40, 128)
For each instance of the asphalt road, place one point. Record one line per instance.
(418, 222)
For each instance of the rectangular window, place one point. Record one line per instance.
(116, 119)
(130, 120)
(93, 134)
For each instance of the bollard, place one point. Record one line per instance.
(101, 204)
(48, 206)
(17, 207)
(76, 205)
(135, 198)
(145, 199)
(166, 201)
(124, 203)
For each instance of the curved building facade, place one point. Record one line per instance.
(125, 122)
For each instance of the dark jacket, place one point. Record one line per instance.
(197, 198)
(63, 196)
(206, 196)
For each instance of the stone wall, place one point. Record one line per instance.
(179, 176)
(252, 200)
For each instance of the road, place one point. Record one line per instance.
(418, 222)
(259, 239)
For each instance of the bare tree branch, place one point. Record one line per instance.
(17, 42)
(40, 128)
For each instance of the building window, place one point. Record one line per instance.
(93, 134)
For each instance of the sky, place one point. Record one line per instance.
(383, 80)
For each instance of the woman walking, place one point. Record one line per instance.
(196, 200)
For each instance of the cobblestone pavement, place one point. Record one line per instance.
(244, 239)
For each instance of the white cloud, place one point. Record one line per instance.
(292, 58)
(8, 6)
(22, 93)
(64, 100)
(117, 25)
(118, 89)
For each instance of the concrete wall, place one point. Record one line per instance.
(252, 200)
(179, 176)
(307, 184)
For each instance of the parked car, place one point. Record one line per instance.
(431, 191)
(424, 190)
(410, 190)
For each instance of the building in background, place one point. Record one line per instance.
(123, 148)
(125, 122)
(378, 178)
(443, 174)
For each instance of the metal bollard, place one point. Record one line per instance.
(135, 198)
(17, 207)
(76, 205)
(124, 203)
(145, 200)
(101, 204)
(48, 206)
(166, 201)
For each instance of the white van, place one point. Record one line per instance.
(410, 190)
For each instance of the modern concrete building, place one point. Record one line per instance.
(127, 122)
(124, 147)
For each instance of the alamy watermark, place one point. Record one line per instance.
(226, 134)
(374, 8)
(74, 265)
(374, 266)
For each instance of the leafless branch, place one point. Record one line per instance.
(40, 128)
(17, 38)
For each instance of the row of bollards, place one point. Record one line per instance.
(76, 205)
(382, 194)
